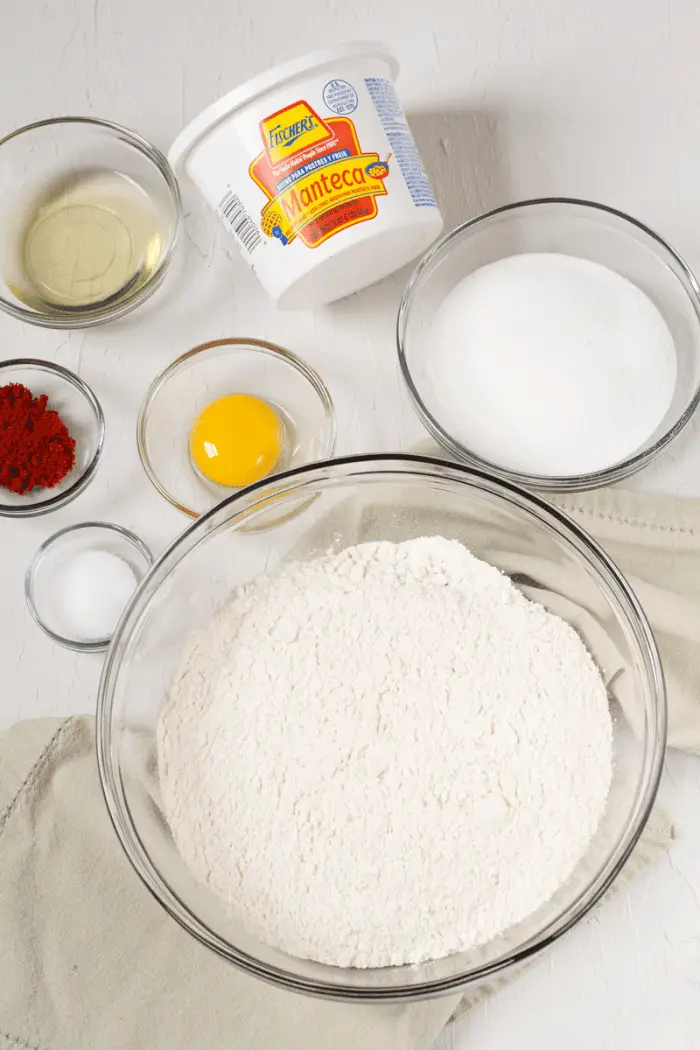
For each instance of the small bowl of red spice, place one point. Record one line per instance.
(51, 437)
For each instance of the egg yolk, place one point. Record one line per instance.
(236, 440)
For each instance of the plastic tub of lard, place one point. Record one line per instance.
(315, 173)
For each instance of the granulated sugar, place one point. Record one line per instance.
(550, 364)
(385, 755)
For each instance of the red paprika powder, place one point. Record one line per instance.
(36, 449)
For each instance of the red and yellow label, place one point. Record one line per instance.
(291, 131)
(315, 177)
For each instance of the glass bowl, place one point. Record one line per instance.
(66, 168)
(571, 227)
(80, 411)
(212, 370)
(49, 574)
(361, 499)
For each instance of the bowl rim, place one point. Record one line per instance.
(98, 644)
(31, 510)
(558, 483)
(256, 345)
(614, 581)
(90, 318)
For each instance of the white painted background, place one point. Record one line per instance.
(509, 99)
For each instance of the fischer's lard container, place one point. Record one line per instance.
(314, 171)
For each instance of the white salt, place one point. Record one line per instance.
(550, 364)
(96, 588)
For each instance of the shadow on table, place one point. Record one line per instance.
(464, 153)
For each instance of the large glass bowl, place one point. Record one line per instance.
(345, 502)
(570, 227)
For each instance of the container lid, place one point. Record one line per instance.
(251, 89)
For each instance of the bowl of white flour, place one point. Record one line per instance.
(555, 343)
(397, 744)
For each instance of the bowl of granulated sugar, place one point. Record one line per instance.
(554, 342)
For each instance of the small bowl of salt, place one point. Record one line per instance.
(81, 580)
(554, 343)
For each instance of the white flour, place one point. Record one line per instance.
(550, 364)
(385, 755)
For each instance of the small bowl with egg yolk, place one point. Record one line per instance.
(227, 414)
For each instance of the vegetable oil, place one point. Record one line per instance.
(90, 241)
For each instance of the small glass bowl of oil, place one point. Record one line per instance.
(227, 414)
(90, 213)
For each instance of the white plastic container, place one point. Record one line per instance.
(314, 171)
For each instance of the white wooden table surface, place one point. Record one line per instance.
(508, 99)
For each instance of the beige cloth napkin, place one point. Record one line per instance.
(655, 541)
(88, 961)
